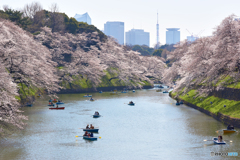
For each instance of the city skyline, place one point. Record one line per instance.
(185, 14)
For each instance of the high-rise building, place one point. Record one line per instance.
(172, 35)
(83, 18)
(116, 30)
(137, 37)
(191, 38)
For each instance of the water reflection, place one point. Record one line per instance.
(155, 128)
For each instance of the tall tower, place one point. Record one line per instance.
(157, 44)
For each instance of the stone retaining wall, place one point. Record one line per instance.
(219, 116)
(104, 89)
(227, 93)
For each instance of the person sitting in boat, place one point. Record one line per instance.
(91, 134)
(85, 134)
(91, 99)
(87, 127)
(96, 113)
(131, 102)
(57, 105)
(230, 127)
(91, 126)
(219, 138)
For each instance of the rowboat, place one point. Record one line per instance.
(59, 103)
(54, 101)
(131, 104)
(165, 91)
(87, 96)
(51, 105)
(160, 87)
(28, 105)
(91, 130)
(91, 100)
(59, 108)
(215, 141)
(177, 104)
(228, 131)
(158, 90)
(96, 116)
(90, 138)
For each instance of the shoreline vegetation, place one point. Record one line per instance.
(223, 110)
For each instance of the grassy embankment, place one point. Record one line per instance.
(217, 105)
(25, 92)
(80, 82)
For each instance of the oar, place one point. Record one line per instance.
(78, 136)
(207, 140)
(82, 136)
(223, 140)
(218, 131)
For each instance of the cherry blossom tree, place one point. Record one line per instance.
(203, 63)
(27, 61)
(84, 54)
(10, 115)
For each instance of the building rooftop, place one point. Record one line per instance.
(172, 29)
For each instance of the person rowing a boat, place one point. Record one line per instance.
(219, 138)
(87, 127)
(91, 99)
(96, 113)
(91, 126)
(131, 102)
(91, 135)
(85, 134)
(230, 127)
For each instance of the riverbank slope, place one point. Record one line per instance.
(223, 108)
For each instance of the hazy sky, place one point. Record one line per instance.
(194, 15)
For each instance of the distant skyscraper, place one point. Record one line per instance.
(83, 18)
(137, 37)
(116, 30)
(191, 38)
(157, 43)
(172, 35)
